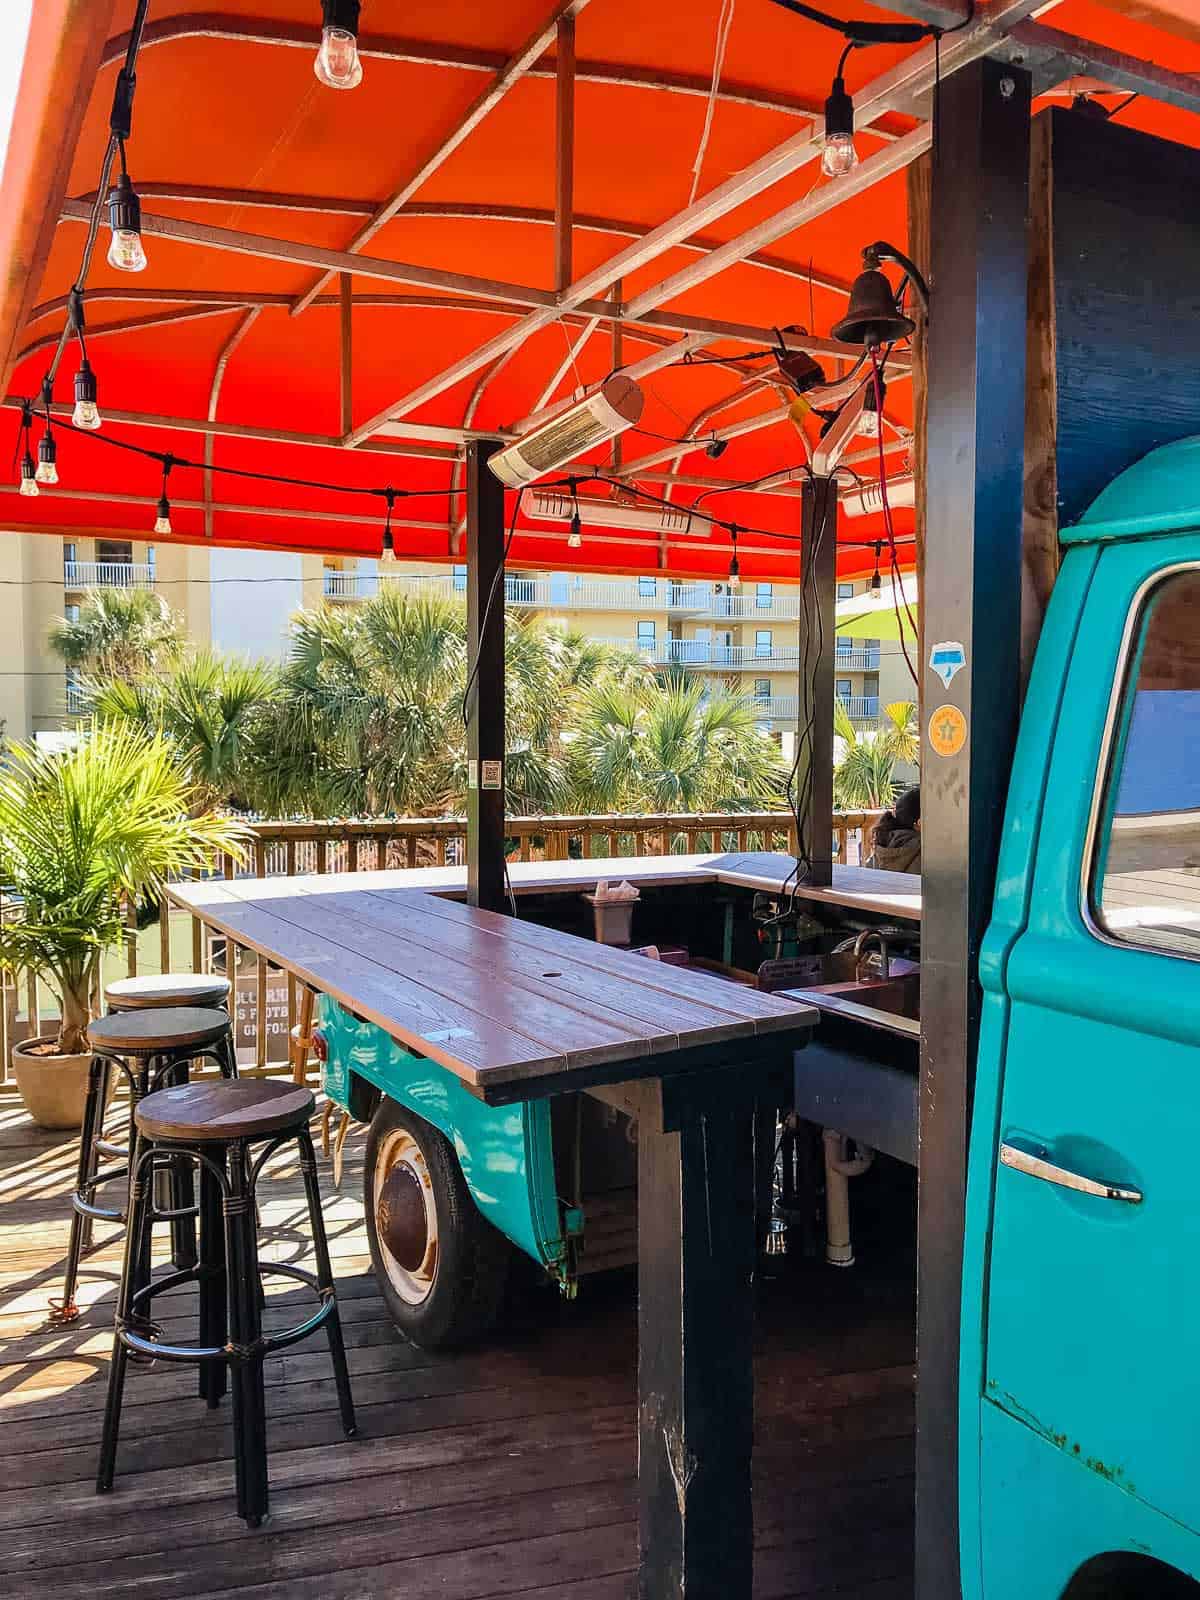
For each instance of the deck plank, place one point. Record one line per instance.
(502, 1471)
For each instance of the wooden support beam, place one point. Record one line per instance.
(346, 330)
(920, 244)
(564, 154)
(696, 1251)
(511, 73)
(486, 875)
(817, 630)
(972, 595)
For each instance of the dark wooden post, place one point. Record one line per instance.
(976, 409)
(485, 675)
(814, 699)
(696, 1256)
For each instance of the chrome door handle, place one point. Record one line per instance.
(1037, 1166)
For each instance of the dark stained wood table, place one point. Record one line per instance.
(516, 1012)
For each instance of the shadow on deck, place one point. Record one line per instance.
(507, 1470)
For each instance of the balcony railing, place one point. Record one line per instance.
(108, 575)
(348, 585)
(78, 700)
(707, 654)
(862, 707)
(852, 660)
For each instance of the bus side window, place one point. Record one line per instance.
(1145, 866)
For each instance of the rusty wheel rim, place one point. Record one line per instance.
(406, 1223)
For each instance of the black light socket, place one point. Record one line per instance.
(341, 14)
(85, 383)
(839, 110)
(124, 207)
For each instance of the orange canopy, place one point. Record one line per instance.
(246, 165)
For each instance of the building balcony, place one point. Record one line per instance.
(78, 700)
(862, 707)
(108, 575)
(348, 585)
(784, 707)
(856, 660)
(748, 605)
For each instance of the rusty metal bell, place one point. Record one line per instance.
(872, 317)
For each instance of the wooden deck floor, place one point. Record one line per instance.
(504, 1471)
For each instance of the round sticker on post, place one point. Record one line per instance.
(947, 731)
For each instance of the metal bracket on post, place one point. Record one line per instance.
(485, 678)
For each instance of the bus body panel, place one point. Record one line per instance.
(505, 1152)
(1079, 1401)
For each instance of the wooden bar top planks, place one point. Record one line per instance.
(496, 1000)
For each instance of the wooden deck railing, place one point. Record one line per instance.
(179, 942)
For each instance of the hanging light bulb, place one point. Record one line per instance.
(876, 584)
(839, 155)
(87, 412)
(47, 461)
(162, 522)
(868, 420)
(337, 65)
(575, 537)
(126, 252)
(28, 475)
(387, 549)
(735, 571)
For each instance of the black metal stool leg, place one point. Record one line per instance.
(93, 1113)
(337, 1347)
(140, 1079)
(131, 1282)
(214, 1314)
(245, 1339)
(89, 1223)
(182, 1185)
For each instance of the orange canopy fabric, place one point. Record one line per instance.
(232, 130)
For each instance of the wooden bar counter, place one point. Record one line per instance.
(517, 1011)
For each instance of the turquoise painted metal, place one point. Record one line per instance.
(1079, 1411)
(505, 1152)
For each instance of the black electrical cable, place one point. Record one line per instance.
(161, 456)
(118, 120)
(490, 602)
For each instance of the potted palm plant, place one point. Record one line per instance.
(81, 831)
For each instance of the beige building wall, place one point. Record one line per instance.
(241, 600)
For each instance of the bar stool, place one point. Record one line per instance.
(152, 1046)
(159, 989)
(216, 1125)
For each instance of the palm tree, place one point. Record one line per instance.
(119, 633)
(213, 710)
(865, 761)
(79, 829)
(370, 713)
(670, 745)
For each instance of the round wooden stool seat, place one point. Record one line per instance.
(159, 989)
(242, 1108)
(155, 1030)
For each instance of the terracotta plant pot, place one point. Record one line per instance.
(53, 1087)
